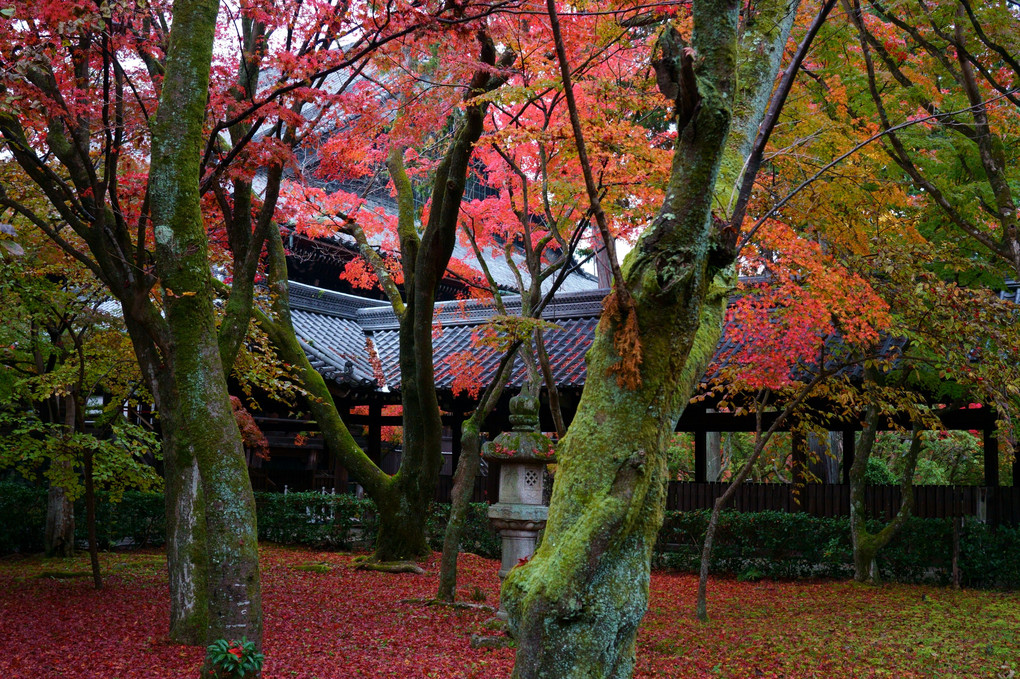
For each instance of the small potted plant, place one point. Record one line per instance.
(232, 659)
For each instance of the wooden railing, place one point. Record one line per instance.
(998, 504)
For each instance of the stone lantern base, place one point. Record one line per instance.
(518, 525)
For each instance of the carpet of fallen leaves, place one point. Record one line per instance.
(326, 620)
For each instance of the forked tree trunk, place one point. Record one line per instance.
(866, 545)
(575, 607)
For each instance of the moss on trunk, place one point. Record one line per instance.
(207, 436)
(460, 498)
(59, 537)
(575, 606)
(866, 544)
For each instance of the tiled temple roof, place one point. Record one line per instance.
(355, 341)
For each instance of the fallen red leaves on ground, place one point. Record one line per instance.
(325, 620)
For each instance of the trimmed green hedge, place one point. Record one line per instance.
(798, 545)
(22, 518)
(311, 519)
(316, 520)
(343, 522)
(139, 517)
(763, 544)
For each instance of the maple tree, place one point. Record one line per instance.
(80, 87)
(62, 350)
(424, 256)
(403, 252)
(959, 61)
(146, 190)
(660, 328)
(533, 219)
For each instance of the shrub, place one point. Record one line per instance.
(316, 520)
(22, 518)
(780, 545)
(478, 536)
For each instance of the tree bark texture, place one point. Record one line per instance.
(460, 498)
(90, 517)
(206, 445)
(575, 606)
(59, 537)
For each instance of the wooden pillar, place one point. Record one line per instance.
(700, 456)
(713, 455)
(375, 433)
(339, 476)
(849, 442)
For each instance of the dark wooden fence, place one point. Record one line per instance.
(997, 504)
(445, 486)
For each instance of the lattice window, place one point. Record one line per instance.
(530, 477)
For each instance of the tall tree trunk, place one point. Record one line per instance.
(574, 608)
(90, 517)
(187, 561)
(207, 435)
(59, 509)
(185, 509)
(59, 537)
(76, 424)
(460, 499)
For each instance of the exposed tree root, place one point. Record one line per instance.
(389, 566)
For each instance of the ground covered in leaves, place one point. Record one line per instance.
(326, 620)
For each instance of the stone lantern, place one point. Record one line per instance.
(523, 454)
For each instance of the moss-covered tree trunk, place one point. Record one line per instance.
(866, 544)
(460, 499)
(575, 607)
(206, 435)
(182, 491)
